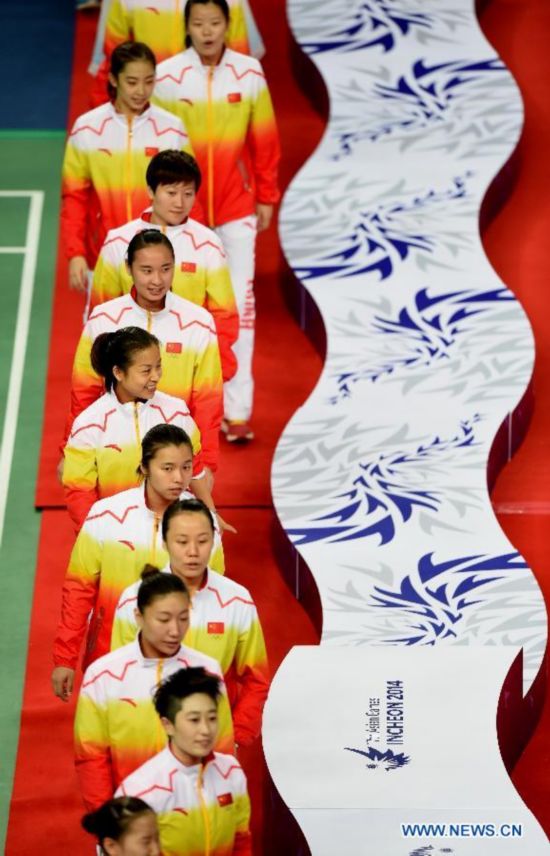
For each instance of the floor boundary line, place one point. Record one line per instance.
(21, 334)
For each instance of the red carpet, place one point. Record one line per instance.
(45, 786)
(517, 245)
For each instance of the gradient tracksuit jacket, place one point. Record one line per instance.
(119, 536)
(191, 368)
(228, 114)
(103, 451)
(160, 24)
(104, 168)
(225, 625)
(116, 727)
(202, 810)
(201, 276)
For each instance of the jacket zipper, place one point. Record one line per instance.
(156, 524)
(204, 812)
(210, 146)
(136, 424)
(129, 168)
(149, 321)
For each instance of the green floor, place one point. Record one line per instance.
(27, 162)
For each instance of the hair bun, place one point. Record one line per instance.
(149, 572)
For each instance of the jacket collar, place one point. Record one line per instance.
(137, 121)
(169, 231)
(127, 409)
(144, 313)
(153, 662)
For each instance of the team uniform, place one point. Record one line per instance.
(201, 276)
(191, 368)
(160, 24)
(228, 112)
(201, 809)
(120, 535)
(116, 727)
(104, 168)
(103, 451)
(224, 624)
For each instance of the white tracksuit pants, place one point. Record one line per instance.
(239, 240)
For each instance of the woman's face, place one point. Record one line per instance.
(141, 377)
(140, 839)
(207, 27)
(163, 624)
(152, 272)
(134, 86)
(170, 471)
(195, 728)
(172, 203)
(189, 542)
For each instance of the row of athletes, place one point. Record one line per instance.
(143, 592)
(171, 319)
(208, 100)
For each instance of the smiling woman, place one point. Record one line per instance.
(103, 450)
(107, 155)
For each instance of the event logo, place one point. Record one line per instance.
(387, 760)
(384, 726)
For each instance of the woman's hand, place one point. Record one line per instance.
(63, 682)
(223, 526)
(264, 213)
(78, 274)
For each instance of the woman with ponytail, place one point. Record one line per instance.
(124, 826)
(104, 447)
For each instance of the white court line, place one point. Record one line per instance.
(20, 341)
(13, 249)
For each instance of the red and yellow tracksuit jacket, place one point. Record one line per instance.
(191, 368)
(228, 114)
(160, 24)
(103, 451)
(119, 536)
(104, 171)
(202, 810)
(116, 727)
(225, 625)
(201, 276)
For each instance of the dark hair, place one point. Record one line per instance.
(155, 583)
(185, 506)
(159, 437)
(114, 818)
(171, 167)
(125, 53)
(117, 349)
(147, 238)
(221, 4)
(180, 685)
